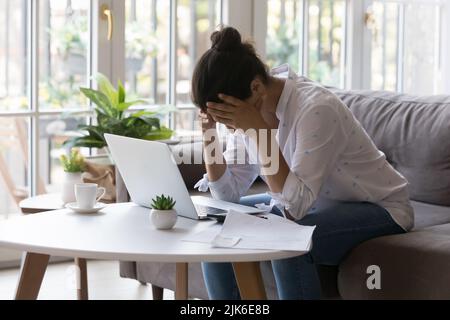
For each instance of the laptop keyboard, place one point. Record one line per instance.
(204, 211)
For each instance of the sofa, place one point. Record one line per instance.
(414, 133)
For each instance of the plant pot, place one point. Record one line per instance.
(163, 219)
(68, 190)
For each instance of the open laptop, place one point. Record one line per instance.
(149, 169)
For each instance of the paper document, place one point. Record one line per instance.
(243, 231)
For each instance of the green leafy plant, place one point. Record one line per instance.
(74, 163)
(163, 203)
(115, 117)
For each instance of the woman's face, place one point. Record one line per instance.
(260, 101)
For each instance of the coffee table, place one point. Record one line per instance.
(123, 232)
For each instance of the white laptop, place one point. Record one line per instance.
(149, 169)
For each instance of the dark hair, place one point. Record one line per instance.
(229, 67)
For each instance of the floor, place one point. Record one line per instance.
(104, 283)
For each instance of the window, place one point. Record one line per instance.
(309, 35)
(13, 56)
(63, 53)
(400, 40)
(406, 46)
(51, 48)
(146, 57)
(196, 20)
(159, 62)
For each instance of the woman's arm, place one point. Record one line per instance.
(240, 115)
(229, 175)
(215, 169)
(273, 165)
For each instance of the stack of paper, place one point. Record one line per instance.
(243, 231)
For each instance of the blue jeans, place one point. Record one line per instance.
(339, 229)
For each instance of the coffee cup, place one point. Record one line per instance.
(88, 194)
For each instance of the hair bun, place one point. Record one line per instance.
(227, 39)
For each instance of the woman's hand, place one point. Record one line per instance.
(236, 114)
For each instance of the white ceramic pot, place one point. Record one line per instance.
(163, 219)
(68, 189)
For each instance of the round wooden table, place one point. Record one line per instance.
(124, 232)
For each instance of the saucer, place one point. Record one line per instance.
(74, 207)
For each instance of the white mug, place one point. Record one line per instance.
(88, 194)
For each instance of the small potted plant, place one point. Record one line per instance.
(74, 166)
(163, 214)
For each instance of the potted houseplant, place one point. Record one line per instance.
(73, 165)
(115, 117)
(163, 214)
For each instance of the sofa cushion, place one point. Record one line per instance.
(414, 133)
(427, 215)
(413, 266)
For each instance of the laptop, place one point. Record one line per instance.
(149, 169)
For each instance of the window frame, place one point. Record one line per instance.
(357, 41)
(107, 57)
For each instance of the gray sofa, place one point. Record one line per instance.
(414, 133)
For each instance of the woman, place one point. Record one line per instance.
(329, 172)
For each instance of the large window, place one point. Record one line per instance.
(402, 42)
(309, 35)
(14, 56)
(63, 53)
(49, 49)
(406, 46)
(146, 57)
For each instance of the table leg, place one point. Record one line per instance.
(82, 286)
(181, 287)
(157, 293)
(31, 274)
(249, 280)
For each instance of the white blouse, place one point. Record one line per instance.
(330, 155)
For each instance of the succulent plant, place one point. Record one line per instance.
(163, 203)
